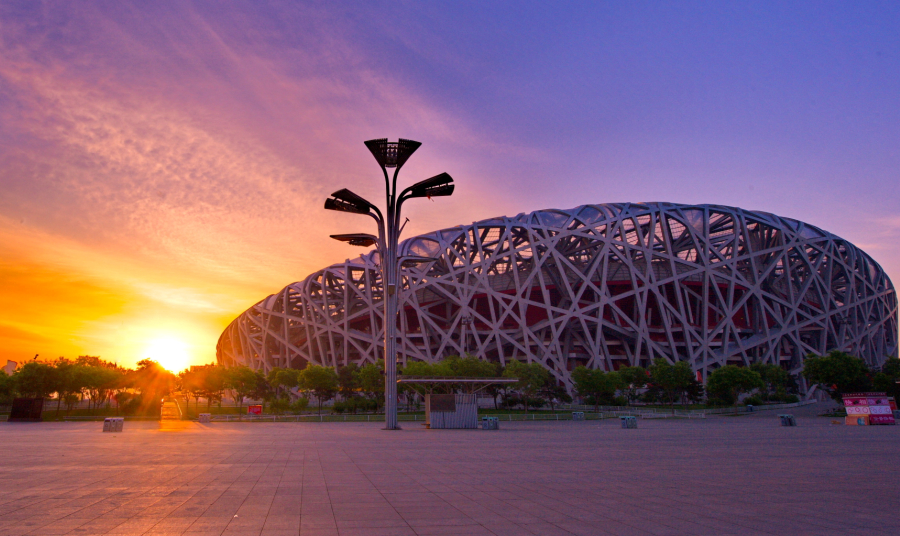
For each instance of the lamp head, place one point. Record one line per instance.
(347, 201)
(392, 154)
(437, 186)
(357, 239)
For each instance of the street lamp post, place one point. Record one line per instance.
(389, 155)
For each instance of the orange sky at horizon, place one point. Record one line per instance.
(101, 305)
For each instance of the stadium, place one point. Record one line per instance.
(604, 286)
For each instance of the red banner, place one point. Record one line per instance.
(875, 407)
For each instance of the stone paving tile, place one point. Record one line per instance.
(719, 476)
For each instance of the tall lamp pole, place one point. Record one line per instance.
(389, 155)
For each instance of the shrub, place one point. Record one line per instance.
(754, 400)
(279, 405)
(299, 405)
(366, 404)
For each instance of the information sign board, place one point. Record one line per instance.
(875, 407)
(254, 410)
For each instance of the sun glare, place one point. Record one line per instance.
(170, 352)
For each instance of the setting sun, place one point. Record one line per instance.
(170, 352)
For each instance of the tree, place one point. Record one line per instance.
(35, 379)
(261, 390)
(6, 388)
(321, 381)
(347, 380)
(532, 378)
(887, 379)
(728, 382)
(633, 379)
(242, 380)
(553, 392)
(212, 383)
(153, 382)
(192, 384)
(370, 379)
(673, 381)
(282, 381)
(777, 380)
(67, 382)
(100, 382)
(837, 373)
(595, 386)
(471, 367)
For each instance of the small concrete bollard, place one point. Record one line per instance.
(577, 415)
(113, 424)
(490, 423)
(787, 420)
(628, 421)
(204, 418)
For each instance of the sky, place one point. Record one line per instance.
(163, 165)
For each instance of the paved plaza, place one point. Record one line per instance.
(737, 475)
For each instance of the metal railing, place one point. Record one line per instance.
(689, 413)
(510, 417)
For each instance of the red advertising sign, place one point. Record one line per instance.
(874, 407)
(254, 410)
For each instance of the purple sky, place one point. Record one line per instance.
(169, 160)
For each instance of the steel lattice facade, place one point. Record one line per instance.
(600, 285)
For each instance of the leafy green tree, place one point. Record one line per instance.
(471, 367)
(837, 373)
(728, 382)
(553, 392)
(262, 390)
(595, 386)
(891, 367)
(242, 381)
(887, 379)
(348, 384)
(321, 381)
(100, 382)
(6, 388)
(777, 380)
(532, 378)
(282, 381)
(153, 382)
(370, 378)
(192, 383)
(67, 383)
(35, 380)
(673, 381)
(213, 381)
(633, 380)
